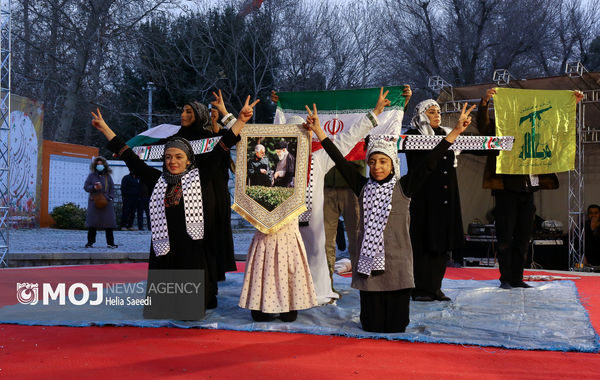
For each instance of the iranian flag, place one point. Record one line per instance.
(339, 110)
(153, 135)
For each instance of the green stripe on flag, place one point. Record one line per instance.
(358, 99)
(141, 140)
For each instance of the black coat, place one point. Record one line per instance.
(130, 186)
(255, 177)
(435, 215)
(185, 253)
(290, 171)
(214, 176)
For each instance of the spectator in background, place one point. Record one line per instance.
(130, 192)
(592, 236)
(100, 183)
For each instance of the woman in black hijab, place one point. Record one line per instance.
(196, 124)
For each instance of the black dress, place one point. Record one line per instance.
(214, 176)
(185, 253)
(435, 220)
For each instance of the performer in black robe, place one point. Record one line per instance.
(435, 215)
(185, 252)
(214, 173)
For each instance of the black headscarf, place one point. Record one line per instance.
(201, 128)
(183, 144)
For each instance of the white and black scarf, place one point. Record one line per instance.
(377, 204)
(305, 216)
(192, 198)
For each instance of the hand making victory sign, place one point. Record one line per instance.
(313, 123)
(219, 103)
(247, 110)
(382, 102)
(463, 122)
(99, 123)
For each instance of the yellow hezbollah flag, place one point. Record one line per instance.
(543, 124)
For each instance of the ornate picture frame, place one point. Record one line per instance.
(271, 174)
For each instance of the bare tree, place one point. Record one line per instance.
(71, 38)
(71, 54)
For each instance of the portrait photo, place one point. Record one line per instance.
(273, 185)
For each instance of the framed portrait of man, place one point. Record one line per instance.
(271, 175)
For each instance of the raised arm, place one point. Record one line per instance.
(146, 173)
(407, 93)
(245, 114)
(219, 104)
(211, 161)
(349, 171)
(345, 142)
(412, 182)
(214, 120)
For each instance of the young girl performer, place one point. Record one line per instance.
(383, 272)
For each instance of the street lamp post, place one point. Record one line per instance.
(150, 87)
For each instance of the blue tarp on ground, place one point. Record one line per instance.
(548, 316)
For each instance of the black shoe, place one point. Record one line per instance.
(112, 246)
(290, 316)
(259, 316)
(520, 284)
(212, 303)
(505, 285)
(440, 296)
(89, 245)
(423, 298)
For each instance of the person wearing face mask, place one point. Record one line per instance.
(100, 183)
(177, 205)
(383, 270)
(435, 215)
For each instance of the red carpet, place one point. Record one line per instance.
(132, 353)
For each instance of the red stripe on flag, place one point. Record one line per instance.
(357, 153)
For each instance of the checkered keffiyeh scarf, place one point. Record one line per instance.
(377, 204)
(305, 216)
(194, 220)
